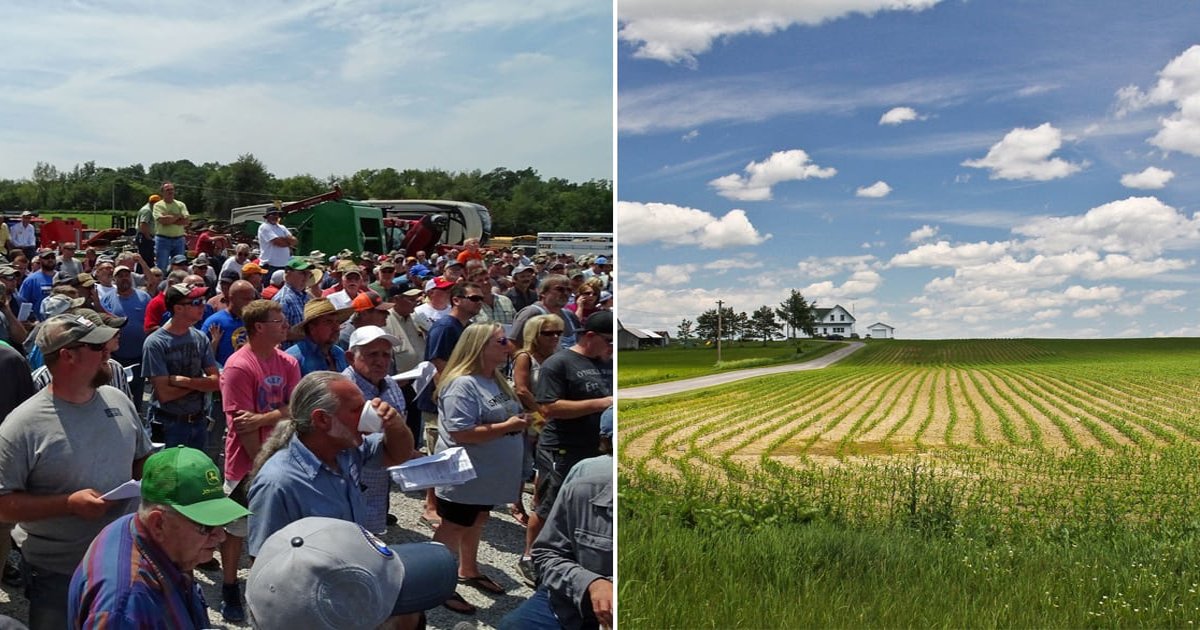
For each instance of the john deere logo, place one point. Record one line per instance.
(211, 476)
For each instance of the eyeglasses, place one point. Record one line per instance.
(474, 298)
(203, 530)
(551, 333)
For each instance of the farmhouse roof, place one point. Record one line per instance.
(638, 332)
(820, 313)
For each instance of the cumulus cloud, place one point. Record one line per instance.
(1162, 296)
(922, 233)
(667, 275)
(899, 115)
(859, 283)
(781, 166)
(1138, 226)
(1151, 178)
(874, 191)
(673, 225)
(825, 266)
(943, 254)
(1179, 86)
(676, 32)
(1025, 154)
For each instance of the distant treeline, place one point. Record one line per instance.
(521, 201)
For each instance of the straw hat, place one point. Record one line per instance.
(320, 307)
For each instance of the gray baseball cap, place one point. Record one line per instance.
(321, 572)
(61, 331)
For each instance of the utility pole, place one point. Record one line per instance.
(719, 303)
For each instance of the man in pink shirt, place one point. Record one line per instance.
(256, 385)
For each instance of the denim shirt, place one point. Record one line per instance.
(294, 484)
(575, 547)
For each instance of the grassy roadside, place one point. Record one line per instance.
(688, 561)
(657, 365)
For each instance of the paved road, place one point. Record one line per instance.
(700, 382)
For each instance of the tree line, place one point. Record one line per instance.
(793, 315)
(521, 201)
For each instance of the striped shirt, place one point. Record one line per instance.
(377, 480)
(42, 378)
(125, 580)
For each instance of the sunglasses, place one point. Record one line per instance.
(551, 333)
(94, 347)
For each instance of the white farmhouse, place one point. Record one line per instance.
(880, 330)
(833, 321)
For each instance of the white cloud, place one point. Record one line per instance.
(899, 115)
(667, 275)
(691, 135)
(1178, 85)
(874, 191)
(724, 265)
(1152, 177)
(676, 32)
(1025, 154)
(781, 166)
(1091, 312)
(825, 266)
(1079, 293)
(1162, 296)
(671, 225)
(923, 233)
(1138, 226)
(943, 254)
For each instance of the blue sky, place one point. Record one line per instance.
(953, 169)
(311, 86)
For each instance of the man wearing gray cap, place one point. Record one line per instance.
(323, 572)
(55, 496)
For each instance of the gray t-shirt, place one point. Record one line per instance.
(189, 354)
(468, 401)
(51, 446)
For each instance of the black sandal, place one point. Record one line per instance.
(465, 607)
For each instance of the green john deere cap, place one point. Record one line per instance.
(187, 480)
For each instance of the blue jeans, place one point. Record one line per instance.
(534, 614)
(47, 595)
(165, 248)
(190, 434)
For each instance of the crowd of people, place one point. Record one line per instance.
(234, 383)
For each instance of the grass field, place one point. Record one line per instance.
(655, 365)
(942, 483)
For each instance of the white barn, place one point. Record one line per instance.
(833, 321)
(880, 330)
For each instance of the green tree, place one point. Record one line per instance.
(763, 324)
(685, 331)
(797, 314)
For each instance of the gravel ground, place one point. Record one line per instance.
(503, 541)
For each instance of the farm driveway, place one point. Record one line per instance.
(700, 382)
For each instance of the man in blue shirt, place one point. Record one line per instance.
(37, 284)
(130, 303)
(225, 327)
(317, 350)
(315, 461)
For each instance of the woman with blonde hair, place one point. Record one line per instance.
(540, 336)
(479, 411)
